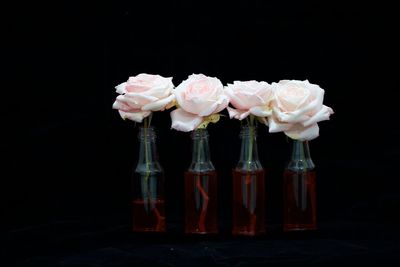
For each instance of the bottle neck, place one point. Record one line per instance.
(201, 160)
(300, 157)
(148, 157)
(248, 159)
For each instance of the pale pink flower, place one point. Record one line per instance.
(142, 94)
(297, 108)
(197, 97)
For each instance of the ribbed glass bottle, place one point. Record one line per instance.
(148, 186)
(299, 190)
(201, 188)
(248, 187)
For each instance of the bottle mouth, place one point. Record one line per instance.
(199, 133)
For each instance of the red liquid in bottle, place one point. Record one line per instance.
(299, 201)
(201, 202)
(248, 202)
(149, 216)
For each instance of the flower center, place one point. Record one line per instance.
(295, 92)
(195, 90)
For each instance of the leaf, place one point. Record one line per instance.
(213, 118)
(262, 120)
(173, 103)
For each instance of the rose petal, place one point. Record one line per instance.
(232, 112)
(148, 84)
(275, 126)
(198, 94)
(184, 121)
(160, 91)
(132, 103)
(159, 105)
(241, 99)
(284, 81)
(213, 86)
(322, 115)
(300, 113)
(136, 88)
(195, 104)
(223, 102)
(209, 109)
(299, 132)
(248, 94)
(216, 106)
(121, 105)
(293, 96)
(139, 99)
(121, 88)
(234, 100)
(261, 111)
(178, 93)
(134, 116)
(290, 117)
(198, 105)
(237, 113)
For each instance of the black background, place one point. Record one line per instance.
(68, 157)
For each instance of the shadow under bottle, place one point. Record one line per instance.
(299, 190)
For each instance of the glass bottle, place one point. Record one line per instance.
(248, 187)
(299, 190)
(201, 188)
(148, 186)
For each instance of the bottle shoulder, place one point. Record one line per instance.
(301, 165)
(152, 167)
(249, 166)
(201, 167)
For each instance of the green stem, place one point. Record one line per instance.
(151, 198)
(145, 144)
(199, 150)
(146, 148)
(199, 179)
(149, 119)
(251, 129)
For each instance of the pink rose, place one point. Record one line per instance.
(198, 97)
(142, 94)
(297, 107)
(249, 97)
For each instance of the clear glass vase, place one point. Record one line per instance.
(201, 188)
(248, 187)
(148, 186)
(299, 190)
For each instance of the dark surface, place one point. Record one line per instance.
(334, 244)
(68, 157)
